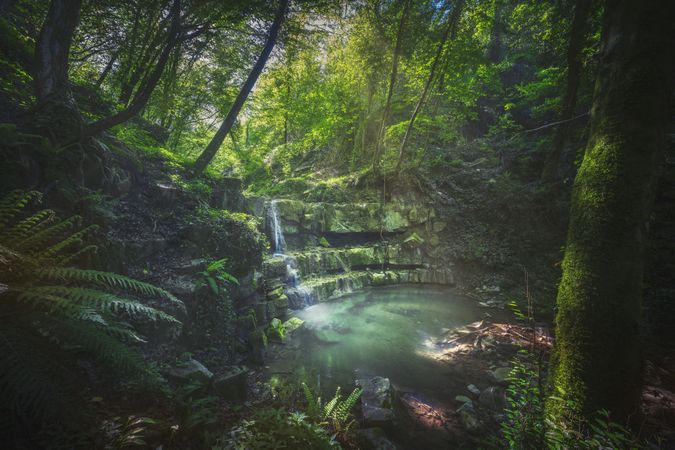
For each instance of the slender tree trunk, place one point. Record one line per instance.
(106, 70)
(210, 151)
(392, 82)
(53, 48)
(143, 95)
(582, 11)
(451, 26)
(494, 53)
(597, 361)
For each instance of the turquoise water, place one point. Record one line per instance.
(386, 331)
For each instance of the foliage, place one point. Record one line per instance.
(129, 433)
(336, 412)
(277, 429)
(52, 312)
(196, 415)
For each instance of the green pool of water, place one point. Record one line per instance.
(386, 331)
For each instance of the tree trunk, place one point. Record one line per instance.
(210, 151)
(143, 95)
(582, 11)
(452, 26)
(392, 82)
(106, 70)
(597, 362)
(52, 51)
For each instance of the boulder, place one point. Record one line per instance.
(231, 385)
(373, 439)
(293, 324)
(376, 400)
(190, 370)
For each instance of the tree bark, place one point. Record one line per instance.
(451, 26)
(52, 51)
(392, 82)
(582, 11)
(597, 360)
(210, 151)
(143, 95)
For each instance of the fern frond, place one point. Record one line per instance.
(72, 240)
(69, 259)
(38, 240)
(13, 203)
(106, 279)
(330, 406)
(343, 410)
(27, 226)
(99, 300)
(313, 404)
(105, 348)
(27, 385)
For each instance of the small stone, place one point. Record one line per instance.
(473, 389)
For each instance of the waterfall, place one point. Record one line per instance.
(298, 296)
(277, 231)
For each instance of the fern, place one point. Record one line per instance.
(336, 412)
(51, 312)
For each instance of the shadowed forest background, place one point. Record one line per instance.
(318, 224)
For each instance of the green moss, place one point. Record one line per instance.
(324, 242)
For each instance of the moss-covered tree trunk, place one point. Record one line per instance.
(597, 356)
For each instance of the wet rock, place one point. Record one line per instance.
(190, 370)
(231, 385)
(293, 324)
(473, 389)
(493, 398)
(373, 439)
(376, 400)
(469, 417)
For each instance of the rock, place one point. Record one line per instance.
(501, 374)
(231, 385)
(473, 389)
(376, 400)
(193, 267)
(463, 399)
(293, 324)
(493, 398)
(190, 370)
(373, 439)
(468, 416)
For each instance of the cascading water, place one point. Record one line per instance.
(298, 296)
(277, 231)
